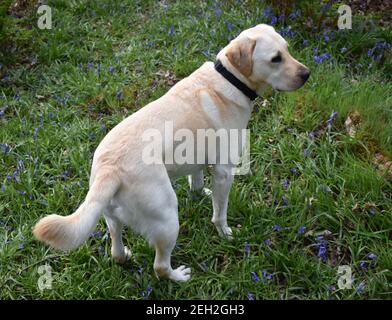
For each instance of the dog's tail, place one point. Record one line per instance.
(67, 233)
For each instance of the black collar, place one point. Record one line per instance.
(252, 95)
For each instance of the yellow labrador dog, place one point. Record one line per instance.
(130, 191)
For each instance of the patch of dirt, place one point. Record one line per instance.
(381, 161)
(22, 8)
(380, 8)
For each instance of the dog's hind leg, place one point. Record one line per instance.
(162, 227)
(164, 242)
(120, 253)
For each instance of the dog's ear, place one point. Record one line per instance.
(240, 55)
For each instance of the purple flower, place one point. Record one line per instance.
(323, 57)
(285, 184)
(293, 170)
(267, 275)
(111, 69)
(285, 201)
(96, 234)
(343, 50)
(35, 134)
(4, 147)
(305, 43)
(268, 12)
(372, 256)
(301, 230)
(274, 20)
(361, 287)
(250, 296)
(370, 52)
(247, 249)
(218, 11)
(255, 277)
(172, 31)
(21, 246)
(229, 26)
(277, 228)
(174, 50)
(295, 14)
(267, 242)
(363, 265)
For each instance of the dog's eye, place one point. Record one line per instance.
(276, 59)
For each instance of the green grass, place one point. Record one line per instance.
(57, 110)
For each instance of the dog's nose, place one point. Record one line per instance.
(305, 75)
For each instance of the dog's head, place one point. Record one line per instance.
(261, 55)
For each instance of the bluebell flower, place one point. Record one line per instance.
(267, 242)
(277, 228)
(111, 69)
(4, 147)
(363, 265)
(323, 57)
(285, 201)
(247, 249)
(332, 118)
(305, 43)
(274, 20)
(174, 50)
(372, 256)
(360, 289)
(295, 14)
(218, 11)
(172, 31)
(301, 230)
(370, 52)
(286, 184)
(96, 234)
(250, 296)
(343, 50)
(294, 170)
(268, 12)
(255, 277)
(229, 25)
(35, 134)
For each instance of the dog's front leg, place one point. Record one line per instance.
(222, 181)
(196, 183)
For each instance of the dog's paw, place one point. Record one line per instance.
(225, 232)
(180, 274)
(124, 257)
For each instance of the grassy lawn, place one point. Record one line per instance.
(313, 201)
